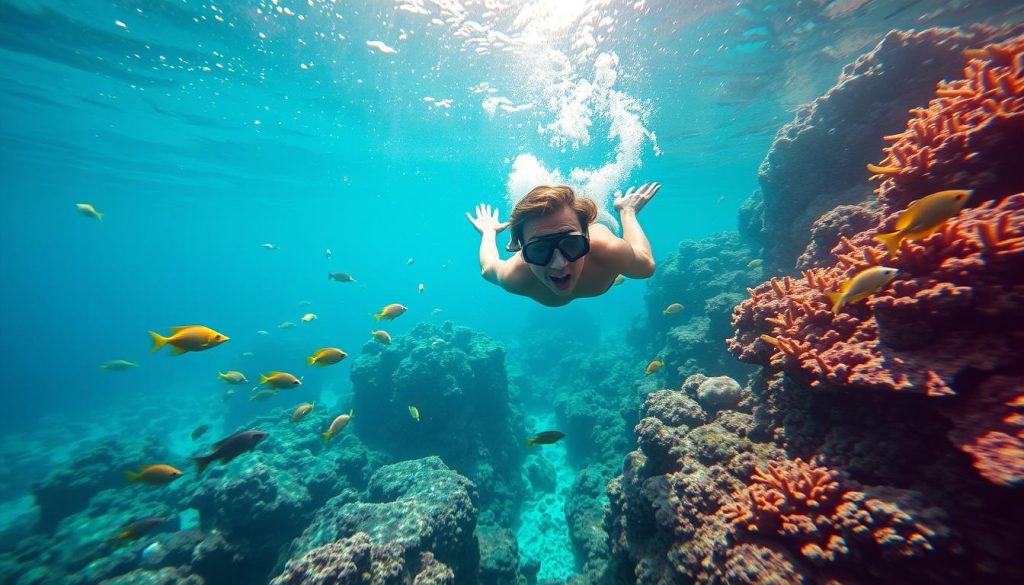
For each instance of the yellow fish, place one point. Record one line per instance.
(302, 410)
(88, 210)
(654, 366)
(263, 395)
(326, 356)
(414, 413)
(618, 280)
(154, 475)
(381, 336)
(390, 312)
(189, 338)
(924, 217)
(280, 380)
(420, 288)
(337, 425)
(309, 317)
(755, 263)
(232, 377)
(864, 284)
(672, 309)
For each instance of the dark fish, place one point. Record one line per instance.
(137, 529)
(228, 448)
(545, 438)
(340, 277)
(200, 431)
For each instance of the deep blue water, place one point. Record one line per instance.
(204, 130)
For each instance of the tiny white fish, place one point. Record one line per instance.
(269, 246)
(286, 325)
(328, 253)
(262, 332)
(308, 317)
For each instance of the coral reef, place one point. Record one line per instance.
(969, 135)
(710, 500)
(412, 507)
(70, 487)
(703, 276)
(457, 380)
(898, 74)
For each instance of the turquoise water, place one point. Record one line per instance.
(204, 130)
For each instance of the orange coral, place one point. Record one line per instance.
(820, 513)
(944, 143)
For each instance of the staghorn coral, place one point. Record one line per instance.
(970, 135)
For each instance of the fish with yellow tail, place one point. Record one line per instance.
(88, 210)
(381, 336)
(618, 280)
(672, 309)
(864, 284)
(414, 413)
(924, 217)
(545, 438)
(301, 411)
(280, 380)
(232, 377)
(188, 338)
(326, 356)
(154, 475)
(654, 366)
(390, 312)
(337, 425)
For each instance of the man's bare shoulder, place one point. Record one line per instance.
(604, 242)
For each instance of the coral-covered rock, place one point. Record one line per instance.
(69, 488)
(414, 506)
(456, 378)
(718, 393)
(969, 136)
(499, 556)
(842, 221)
(165, 576)
(705, 277)
(719, 507)
(900, 73)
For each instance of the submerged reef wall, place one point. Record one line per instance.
(707, 278)
(456, 379)
(883, 439)
(817, 161)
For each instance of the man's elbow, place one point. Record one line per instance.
(645, 268)
(490, 274)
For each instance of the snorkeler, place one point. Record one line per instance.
(561, 253)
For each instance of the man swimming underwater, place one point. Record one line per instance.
(561, 253)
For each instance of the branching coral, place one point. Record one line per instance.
(825, 517)
(969, 135)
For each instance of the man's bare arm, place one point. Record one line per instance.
(637, 261)
(492, 267)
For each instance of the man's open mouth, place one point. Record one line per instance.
(561, 282)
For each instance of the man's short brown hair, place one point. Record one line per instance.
(544, 200)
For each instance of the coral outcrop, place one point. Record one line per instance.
(952, 317)
(456, 379)
(898, 74)
(411, 508)
(705, 277)
(709, 499)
